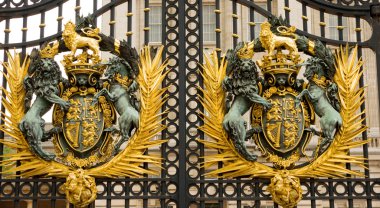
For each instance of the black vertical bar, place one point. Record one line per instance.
(77, 9)
(269, 6)
(348, 165)
(112, 21)
(201, 134)
(376, 31)
(312, 192)
(257, 193)
(322, 23)
(252, 22)
(182, 182)
(287, 11)
(340, 27)
(24, 33)
(108, 201)
(6, 40)
(94, 8)
(42, 25)
(53, 193)
(129, 20)
(35, 194)
(304, 17)
(24, 30)
(234, 23)
(238, 193)
(146, 22)
(164, 39)
(127, 190)
(146, 41)
(59, 18)
(218, 47)
(331, 193)
(217, 25)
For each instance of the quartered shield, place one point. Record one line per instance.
(283, 124)
(84, 122)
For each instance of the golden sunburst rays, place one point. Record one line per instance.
(128, 162)
(329, 164)
(213, 101)
(332, 162)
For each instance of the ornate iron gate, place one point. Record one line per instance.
(182, 182)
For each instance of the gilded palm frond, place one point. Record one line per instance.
(13, 102)
(13, 98)
(128, 162)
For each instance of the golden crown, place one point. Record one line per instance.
(280, 63)
(49, 51)
(246, 52)
(84, 63)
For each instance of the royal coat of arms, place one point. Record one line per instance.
(287, 110)
(102, 106)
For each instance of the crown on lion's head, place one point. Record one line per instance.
(246, 52)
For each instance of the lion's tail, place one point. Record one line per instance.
(287, 31)
(90, 32)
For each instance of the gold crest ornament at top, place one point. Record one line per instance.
(283, 109)
(87, 140)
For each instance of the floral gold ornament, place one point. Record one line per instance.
(87, 141)
(80, 189)
(284, 109)
(285, 189)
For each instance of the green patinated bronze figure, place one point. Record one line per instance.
(322, 92)
(43, 80)
(242, 84)
(121, 92)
